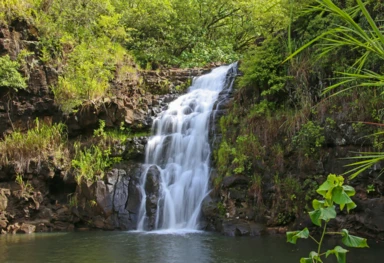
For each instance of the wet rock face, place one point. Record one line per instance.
(110, 204)
(135, 149)
(223, 103)
(152, 185)
(233, 181)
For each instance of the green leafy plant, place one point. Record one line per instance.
(370, 188)
(16, 9)
(72, 200)
(90, 163)
(9, 74)
(25, 186)
(334, 192)
(309, 138)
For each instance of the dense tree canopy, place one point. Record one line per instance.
(87, 39)
(166, 32)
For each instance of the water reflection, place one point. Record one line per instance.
(103, 247)
(173, 248)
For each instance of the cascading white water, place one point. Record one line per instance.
(180, 152)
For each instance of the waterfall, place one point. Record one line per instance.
(176, 170)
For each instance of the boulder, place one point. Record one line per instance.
(3, 220)
(239, 227)
(232, 181)
(12, 229)
(26, 228)
(3, 198)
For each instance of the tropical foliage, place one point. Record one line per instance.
(368, 40)
(334, 192)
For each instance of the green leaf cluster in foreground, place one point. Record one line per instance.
(334, 192)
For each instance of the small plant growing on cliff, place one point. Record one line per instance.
(309, 139)
(334, 193)
(9, 74)
(72, 200)
(26, 187)
(91, 163)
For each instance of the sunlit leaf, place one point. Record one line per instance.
(294, 235)
(322, 214)
(339, 252)
(318, 204)
(353, 241)
(328, 185)
(340, 197)
(328, 213)
(315, 217)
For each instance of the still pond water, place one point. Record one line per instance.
(109, 247)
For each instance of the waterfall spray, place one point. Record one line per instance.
(176, 170)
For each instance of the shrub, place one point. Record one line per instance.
(90, 163)
(263, 70)
(11, 9)
(9, 75)
(309, 138)
(88, 72)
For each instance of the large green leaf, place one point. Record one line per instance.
(315, 217)
(322, 214)
(353, 241)
(294, 235)
(339, 252)
(327, 186)
(328, 213)
(340, 197)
